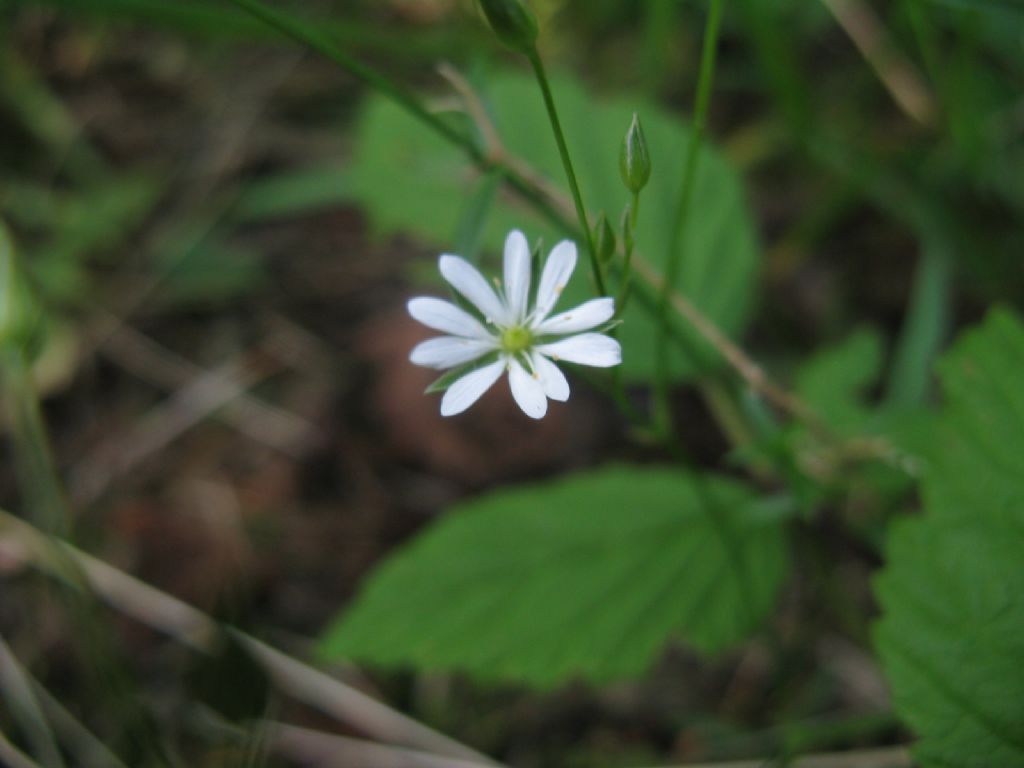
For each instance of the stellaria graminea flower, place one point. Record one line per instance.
(514, 336)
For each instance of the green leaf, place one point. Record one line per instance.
(952, 633)
(588, 576)
(292, 193)
(412, 181)
(212, 270)
(978, 458)
(90, 223)
(833, 382)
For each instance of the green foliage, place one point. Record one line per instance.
(952, 633)
(19, 312)
(293, 192)
(988, 6)
(211, 270)
(979, 458)
(834, 381)
(584, 577)
(218, 21)
(77, 225)
(412, 181)
(927, 322)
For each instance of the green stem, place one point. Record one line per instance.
(673, 258)
(627, 256)
(38, 475)
(43, 491)
(320, 43)
(522, 185)
(26, 712)
(563, 151)
(305, 34)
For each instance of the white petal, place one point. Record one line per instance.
(551, 378)
(593, 349)
(588, 315)
(449, 351)
(445, 316)
(468, 389)
(467, 280)
(517, 274)
(557, 271)
(527, 390)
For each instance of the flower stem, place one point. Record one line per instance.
(531, 188)
(663, 414)
(632, 211)
(563, 151)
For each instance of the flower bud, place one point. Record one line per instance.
(604, 239)
(513, 23)
(634, 162)
(19, 313)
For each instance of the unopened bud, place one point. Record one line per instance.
(604, 239)
(634, 161)
(513, 23)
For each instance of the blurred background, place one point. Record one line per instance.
(223, 229)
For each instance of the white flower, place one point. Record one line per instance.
(513, 336)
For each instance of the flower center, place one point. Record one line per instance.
(515, 340)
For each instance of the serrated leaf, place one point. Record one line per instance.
(978, 457)
(585, 577)
(412, 181)
(952, 633)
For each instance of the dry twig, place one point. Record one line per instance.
(191, 627)
(152, 362)
(327, 750)
(897, 73)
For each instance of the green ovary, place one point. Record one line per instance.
(515, 340)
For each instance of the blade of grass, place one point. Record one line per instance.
(12, 757)
(17, 689)
(186, 624)
(88, 749)
(321, 42)
(46, 117)
(673, 258)
(36, 470)
(925, 326)
(205, 19)
(658, 27)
